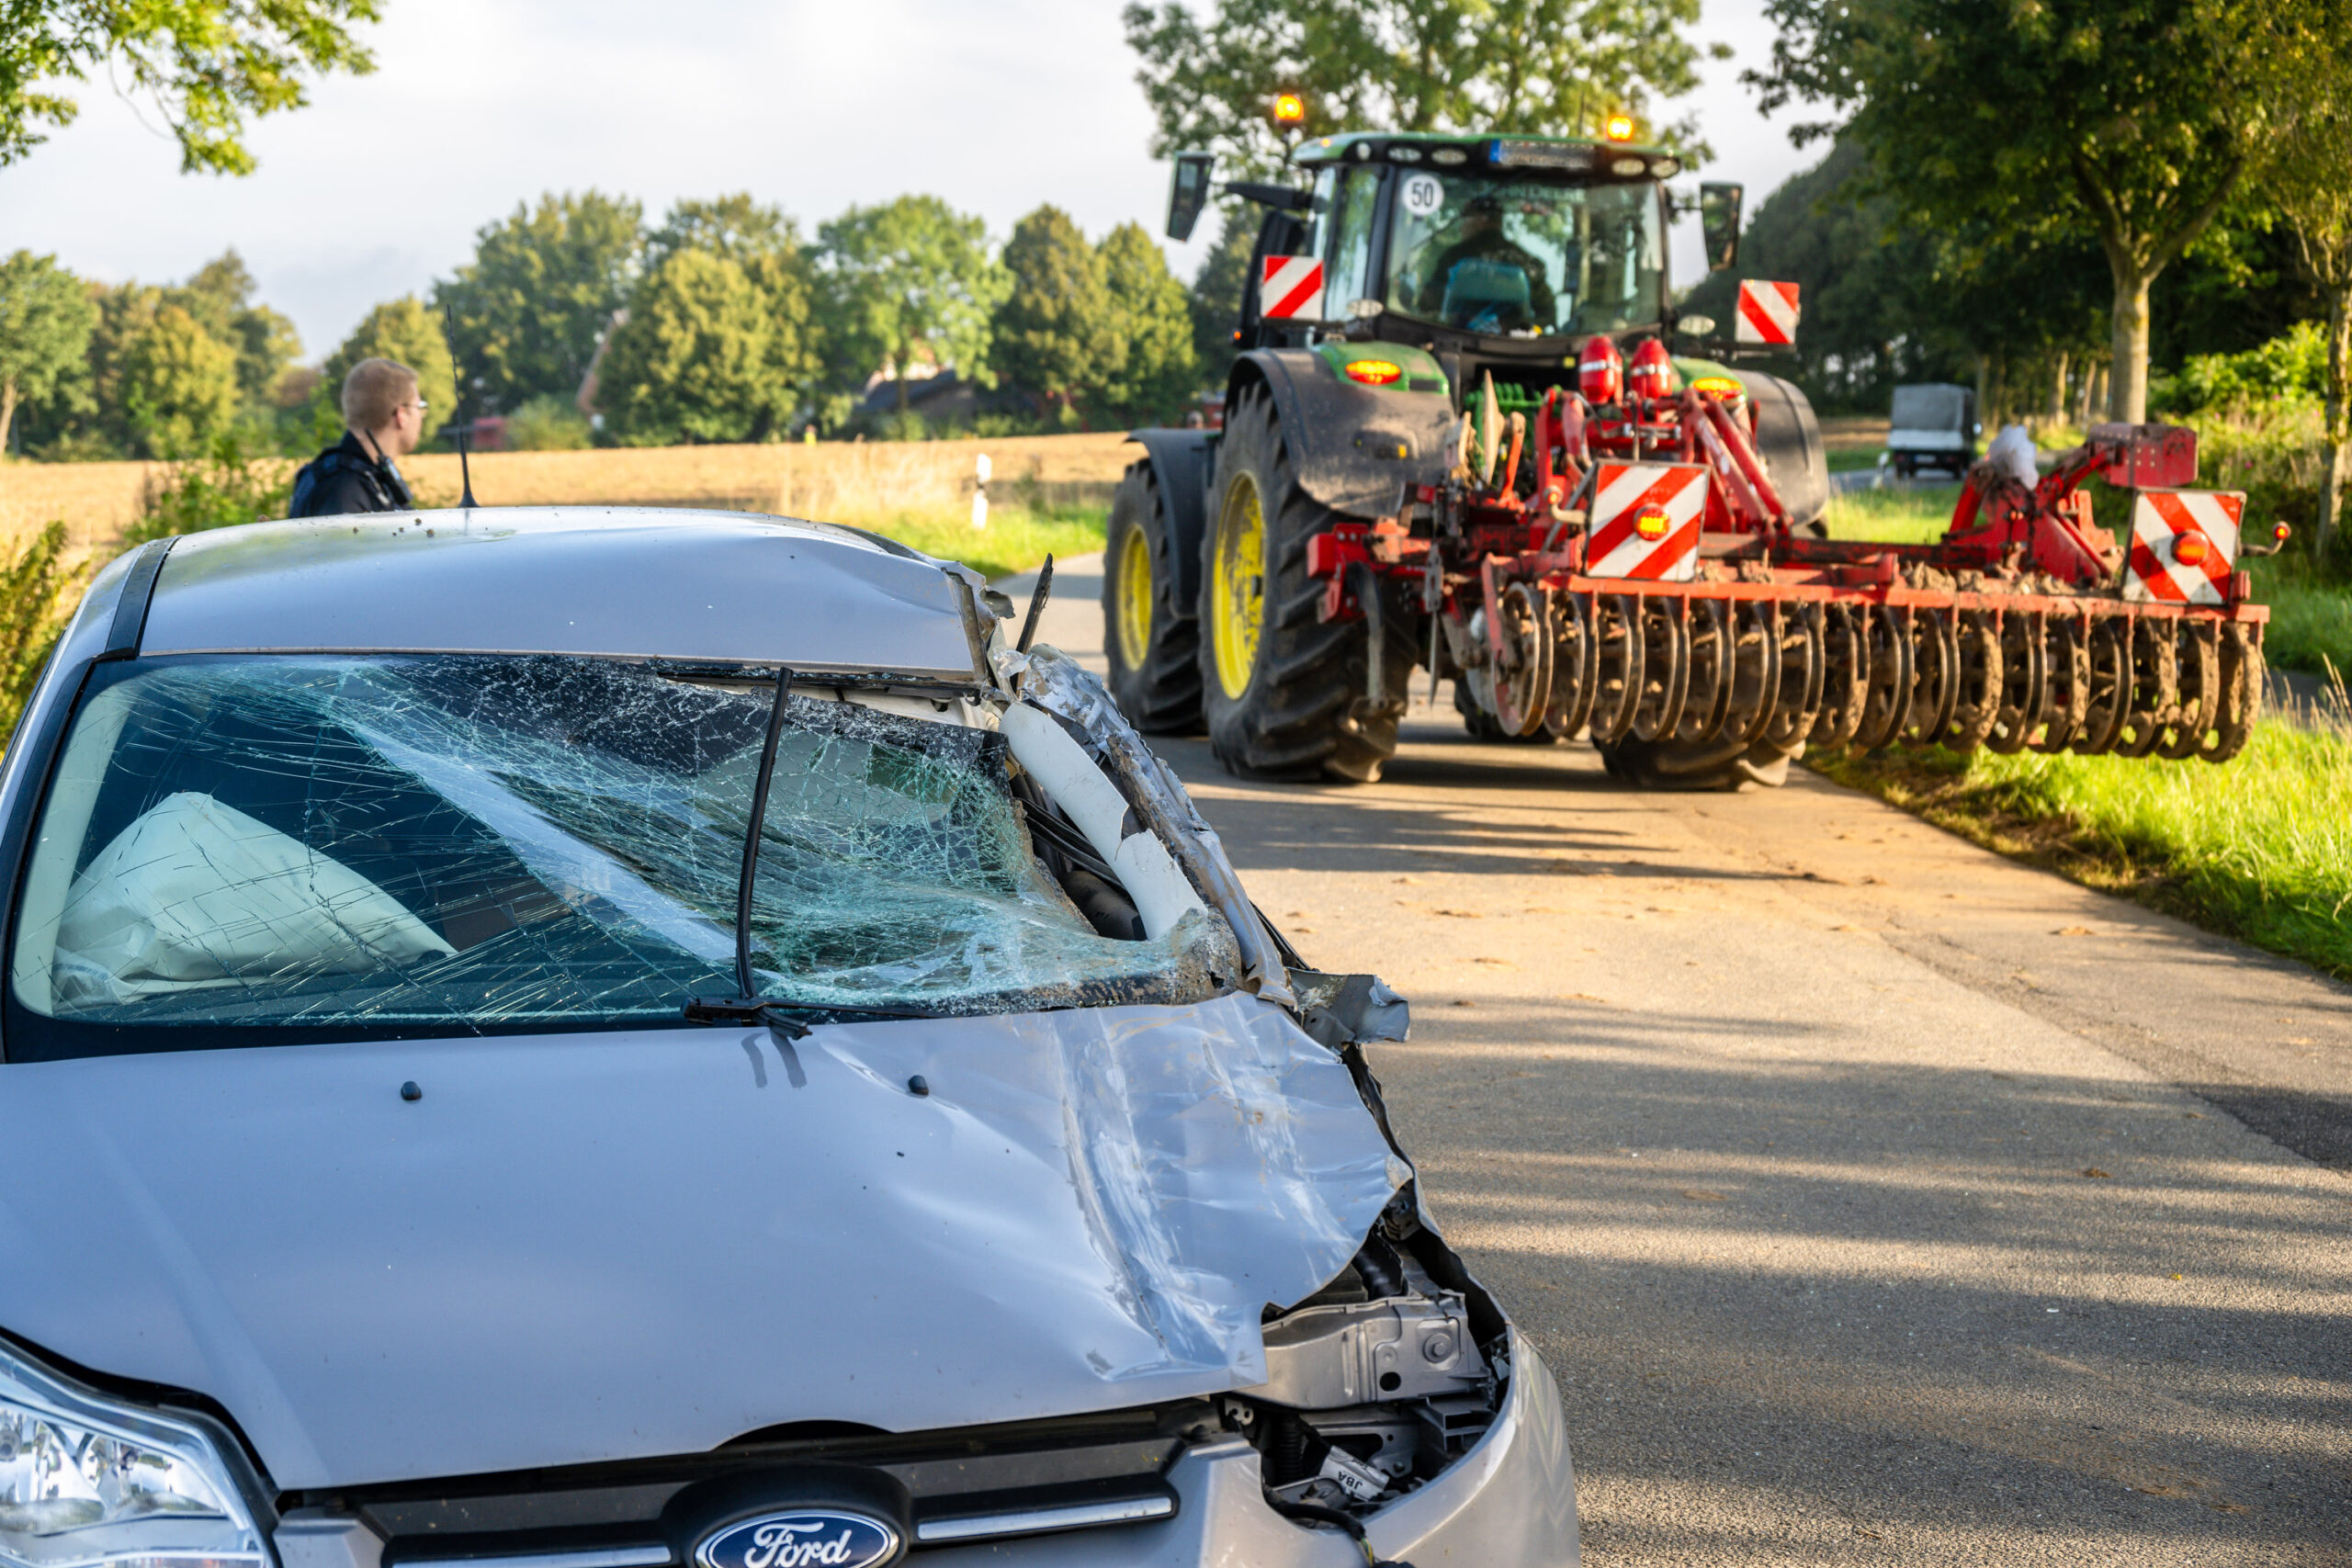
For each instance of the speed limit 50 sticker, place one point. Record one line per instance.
(1423, 194)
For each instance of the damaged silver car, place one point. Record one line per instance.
(620, 1039)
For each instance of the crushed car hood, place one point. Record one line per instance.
(583, 1247)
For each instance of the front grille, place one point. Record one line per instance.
(968, 1484)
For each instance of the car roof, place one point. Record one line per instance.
(723, 588)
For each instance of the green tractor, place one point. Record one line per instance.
(1419, 288)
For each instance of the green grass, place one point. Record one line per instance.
(1915, 514)
(2311, 617)
(2259, 849)
(1017, 539)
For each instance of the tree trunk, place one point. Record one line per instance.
(2126, 387)
(2336, 475)
(2058, 390)
(7, 412)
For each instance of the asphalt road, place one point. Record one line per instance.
(1874, 1200)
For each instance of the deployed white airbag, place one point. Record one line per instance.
(196, 893)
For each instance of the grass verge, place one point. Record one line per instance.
(2259, 849)
(1016, 539)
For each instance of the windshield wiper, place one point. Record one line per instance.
(747, 1006)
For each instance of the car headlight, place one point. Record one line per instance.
(87, 1481)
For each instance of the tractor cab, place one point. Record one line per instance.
(1488, 253)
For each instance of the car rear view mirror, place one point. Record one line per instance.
(1188, 192)
(1719, 223)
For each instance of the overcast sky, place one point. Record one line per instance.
(377, 188)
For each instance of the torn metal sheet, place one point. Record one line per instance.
(580, 1247)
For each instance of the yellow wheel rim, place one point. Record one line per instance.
(1135, 599)
(1238, 585)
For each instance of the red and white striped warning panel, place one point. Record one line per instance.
(1291, 289)
(1646, 520)
(1768, 314)
(2184, 545)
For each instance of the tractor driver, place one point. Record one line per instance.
(1485, 288)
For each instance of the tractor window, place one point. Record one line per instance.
(1348, 276)
(1524, 259)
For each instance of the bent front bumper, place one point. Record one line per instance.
(1510, 1502)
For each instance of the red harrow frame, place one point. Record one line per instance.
(1629, 569)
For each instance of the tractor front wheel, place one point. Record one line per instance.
(1154, 653)
(1285, 692)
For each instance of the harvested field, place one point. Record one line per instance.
(869, 484)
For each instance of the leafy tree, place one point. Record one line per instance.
(403, 330)
(2147, 112)
(178, 384)
(1405, 65)
(33, 612)
(1216, 291)
(703, 356)
(734, 226)
(2311, 186)
(220, 298)
(46, 320)
(206, 67)
(539, 294)
(904, 283)
(548, 424)
(1055, 333)
(1152, 317)
(219, 490)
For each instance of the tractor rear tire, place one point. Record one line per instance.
(1154, 651)
(1697, 765)
(1284, 692)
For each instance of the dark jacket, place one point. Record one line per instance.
(348, 478)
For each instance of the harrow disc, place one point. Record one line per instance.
(2108, 700)
(1617, 625)
(2155, 687)
(1935, 683)
(2025, 684)
(1754, 671)
(1802, 663)
(2196, 649)
(1666, 668)
(1523, 682)
(1976, 705)
(2241, 693)
(2067, 684)
(1886, 686)
(1708, 696)
(1846, 674)
(1575, 663)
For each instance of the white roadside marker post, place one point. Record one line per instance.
(981, 491)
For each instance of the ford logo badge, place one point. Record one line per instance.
(805, 1537)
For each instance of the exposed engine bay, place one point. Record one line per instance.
(1379, 1380)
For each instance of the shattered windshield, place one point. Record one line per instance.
(464, 843)
(1526, 258)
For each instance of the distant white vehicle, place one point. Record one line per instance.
(1933, 426)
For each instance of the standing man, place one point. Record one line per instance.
(384, 419)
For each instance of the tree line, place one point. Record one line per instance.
(720, 322)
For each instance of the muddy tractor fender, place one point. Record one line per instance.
(1355, 446)
(1788, 437)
